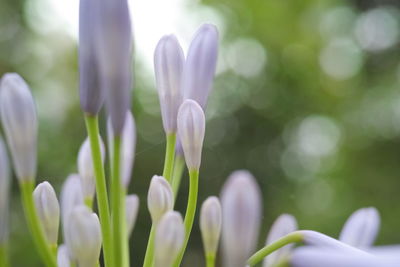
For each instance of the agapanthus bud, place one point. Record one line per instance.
(168, 67)
(90, 89)
(132, 208)
(18, 115)
(63, 257)
(115, 45)
(169, 239)
(199, 69)
(210, 224)
(191, 129)
(71, 196)
(241, 215)
(282, 226)
(86, 168)
(4, 192)
(83, 236)
(160, 198)
(48, 210)
(361, 229)
(128, 145)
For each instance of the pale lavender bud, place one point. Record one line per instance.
(71, 197)
(18, 115)
(83, 236)
(90, 88)
(128, 145)
(160, 198)
(191, 130)
(86, 168)
(241, 216)
(169, 239)
(132, 208)
(361, 229)
(210, 224)
(63, 257)
(199, 69)
(282, 226)
(168, 67)
(4, 193)
(115, 45)
(48, 210)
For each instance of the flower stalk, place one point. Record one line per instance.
(169, 157)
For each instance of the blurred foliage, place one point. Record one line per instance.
(306, 98)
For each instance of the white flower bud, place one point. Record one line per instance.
(168, 67)
(241, 215)
(18, 115)
(169, 239)
(128, 145)
(63, 257)
(160, 198)
(83, 236)
(71, 196)
(191, 129)
(282, 226)
(210, 224)
(4, 193)
(361, 229)
(48, 210)
(132, 208)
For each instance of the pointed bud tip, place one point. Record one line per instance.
(160, 198)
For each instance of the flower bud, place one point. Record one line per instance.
(160, 198)
(132, 208)
(169, 239)
(241, 215)
(90, 88)
(4, 193)
(210, 224)
(83, 236)
(191, 129)
(115, 41)
(361, 229)
(86, 168)
(63, 257)
(18, 115)
(48, 210)
(71, 196)
(128, 145)
(282, 226)
(199, 69)
(168, 67)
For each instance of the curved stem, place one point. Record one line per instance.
(92, 127)
(34, 224)
(4, 261)
(210, 259)
(169, 157)
(190, 211)
(293, 237)
(149, 258)
(179, 165)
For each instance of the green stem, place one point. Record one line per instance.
(179, 165)
(149, 258)
(210, 259)
(190, 211)
(293, 237)
(34, 224)
(92, 126)
(4, 261)
(125, 236)
(89, 202)
(169, 157)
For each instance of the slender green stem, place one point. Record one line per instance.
(34, 224)
(116, 193)
(4, 261)
(210, 259)
(149, 258)
(89, 202)
(169, 157)
(293, 237)
(125, 235)
(179, 165)
(190, 211)
(92, 126)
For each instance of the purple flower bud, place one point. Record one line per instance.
(63, 257)
(168, 66)
(71, 196)
(199, 69)
(18, 115)
(210, 224)
(132, 208)
(4, 193)
(160, 198)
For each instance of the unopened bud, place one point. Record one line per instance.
(4, 193)
(71, 197)
(191, 129)
(48, 210)
(160, 198)
(63, 257)
(18, 115)
(169, 239)
(210, 224)
(83, 236)
(132, 208)
(241, 215)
